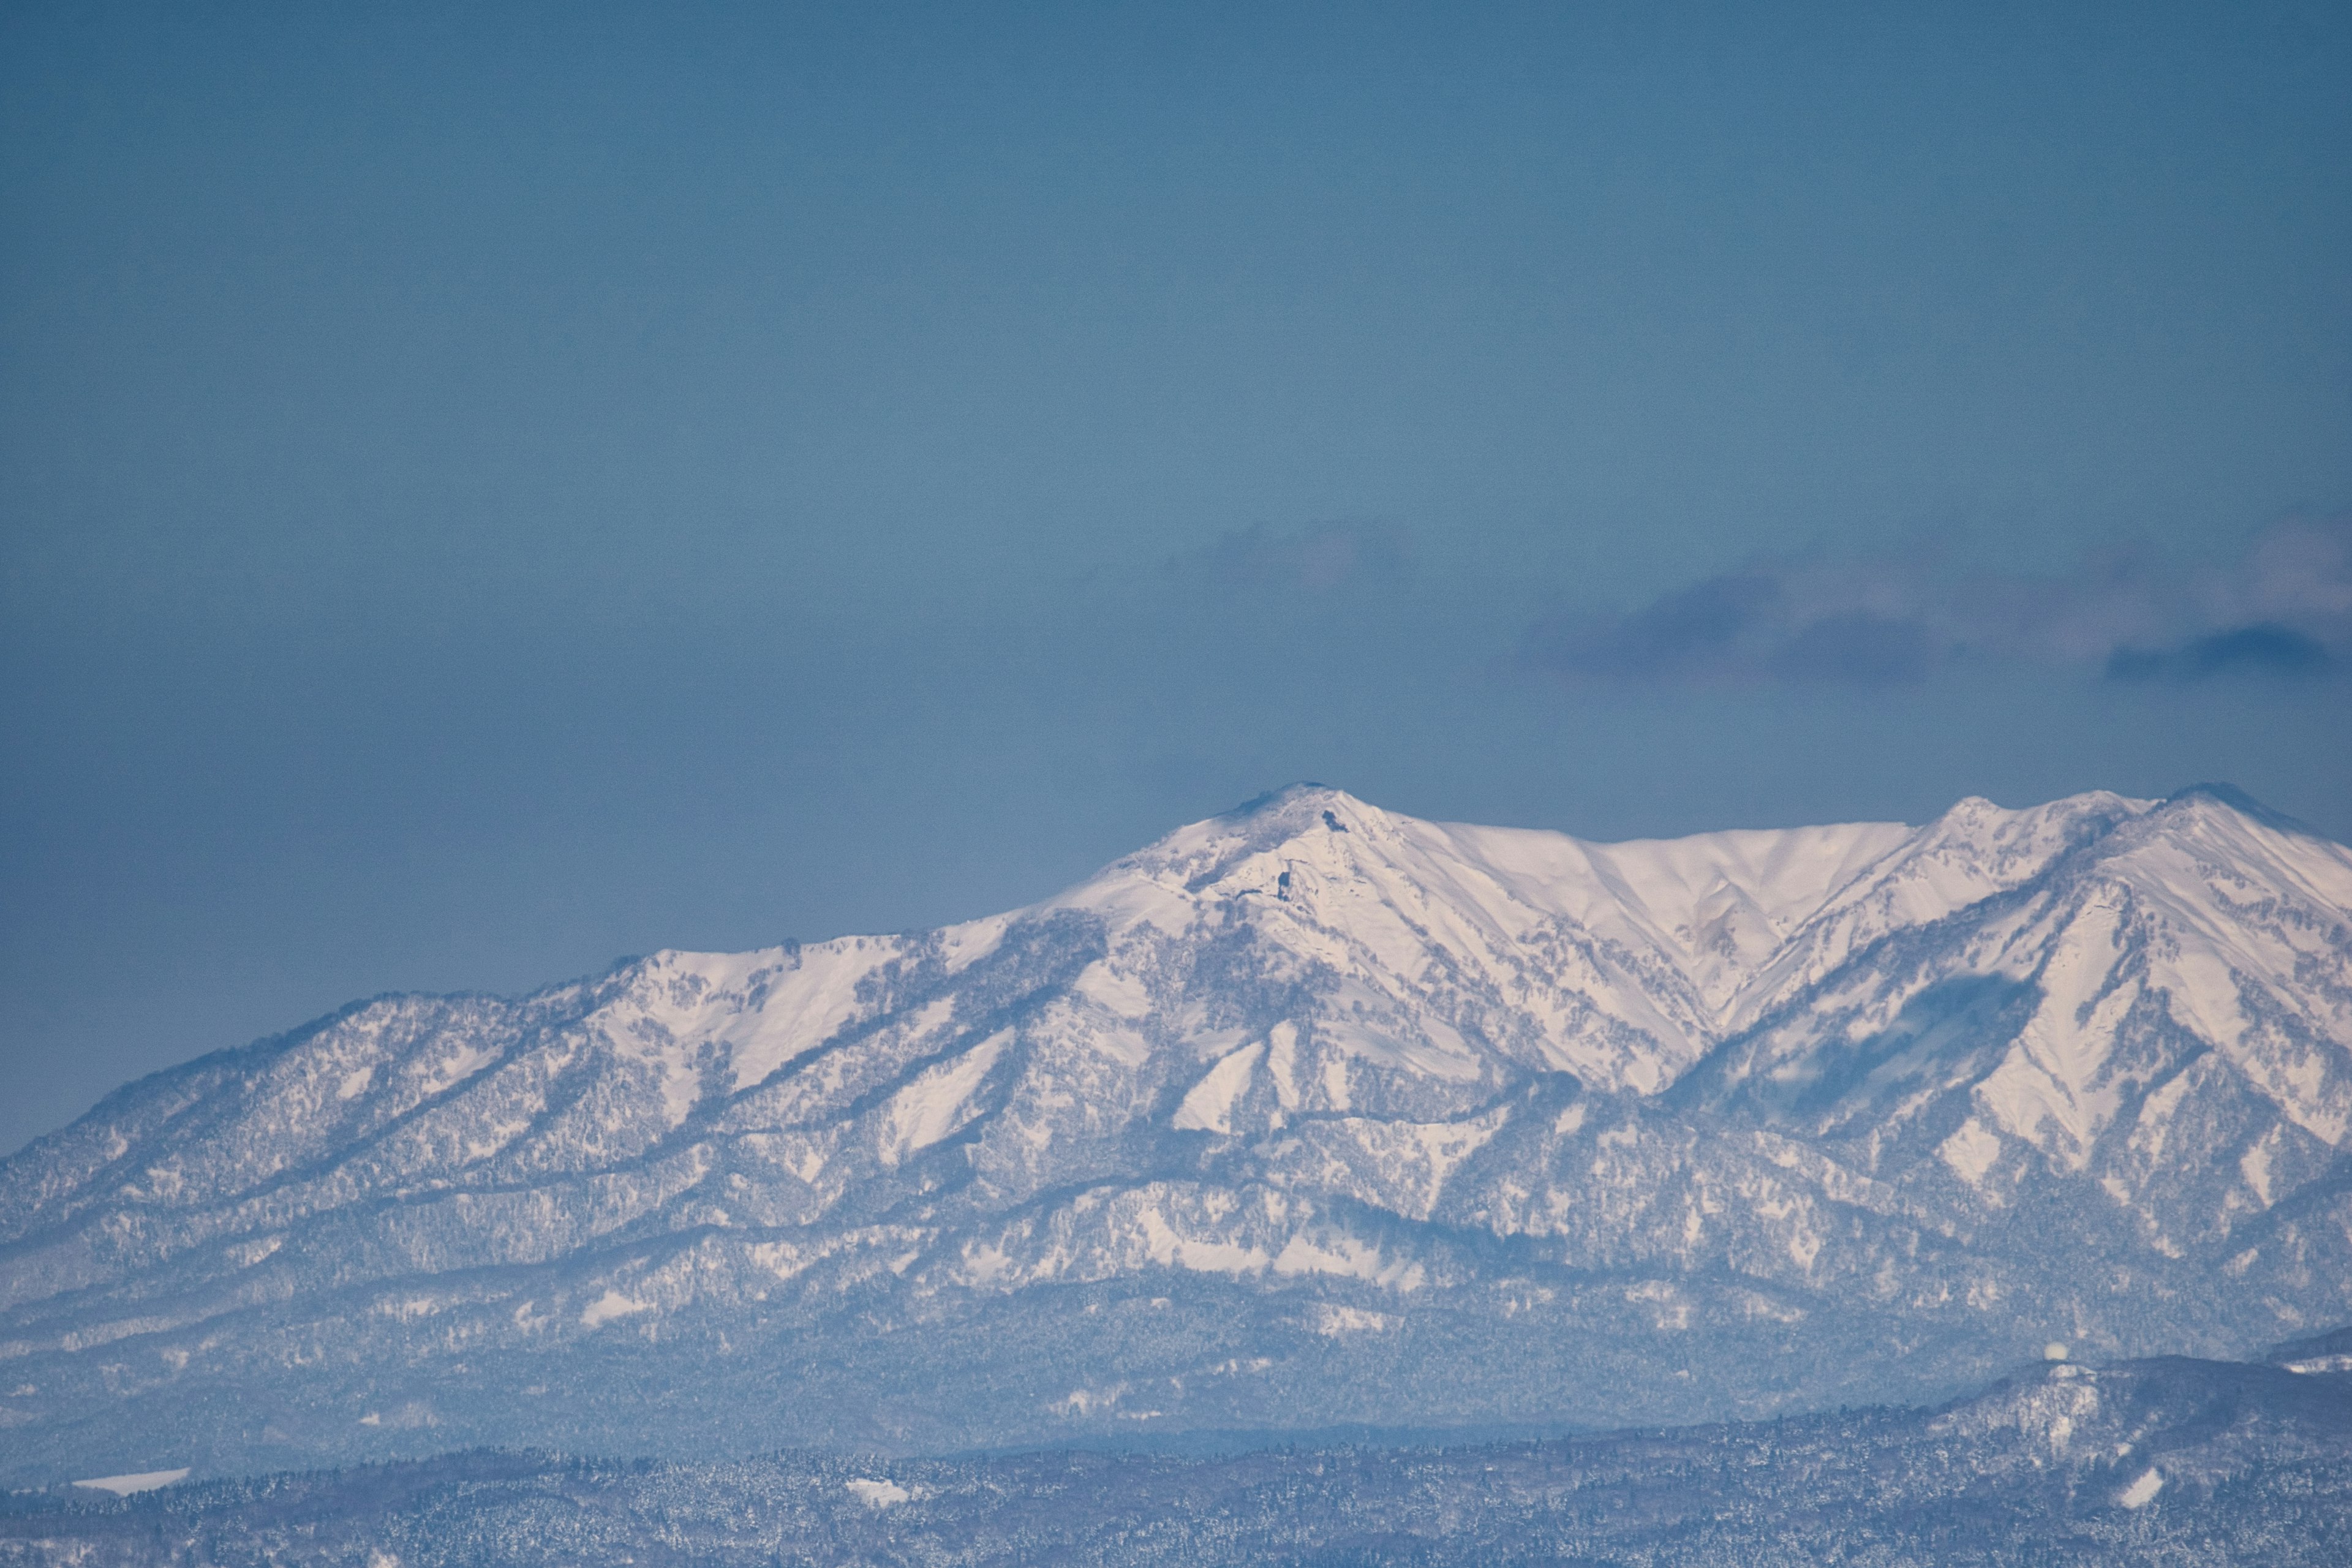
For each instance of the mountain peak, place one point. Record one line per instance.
(1287, 794)
(2234, 799)
(1302, 806)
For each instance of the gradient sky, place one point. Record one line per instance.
(484, 490)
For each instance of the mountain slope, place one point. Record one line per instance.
(1311, 1114)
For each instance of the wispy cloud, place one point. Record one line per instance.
(2283, 610)
(1322, 558)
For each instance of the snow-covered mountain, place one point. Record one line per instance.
(1309, 1115)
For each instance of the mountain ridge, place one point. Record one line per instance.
(1485, 1121)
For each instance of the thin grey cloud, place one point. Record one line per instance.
(1318, 559)
(2267, 650)
(2282, 611)
(1870, 626)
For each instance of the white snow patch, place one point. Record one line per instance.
(611, 1304)
(1335, 1081)
(1120, 991)
(1208, 1106)
(2254, 1164)
(938, 1102)
(1446, 1145)
(355, 1082)
(1088, 1401)
(141, 1481)
(801, 1009)
(1971, 1151)
(878, 1494)
(460, 1065)
(1337, 1322)
(1803, 1246)
(1165, 1246)
(248, 1253)
(1282, 1063)
(2053, 1087)
(1347, 1256)
(2142, 1492)
(763, 1007)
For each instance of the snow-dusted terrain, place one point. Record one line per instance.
(1309, 1115)
(2172, 1461)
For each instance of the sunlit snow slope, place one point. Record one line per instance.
(1310, 1114)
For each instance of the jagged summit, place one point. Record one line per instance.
(1307, 1113)
(1307, 794)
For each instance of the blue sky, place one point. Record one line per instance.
(484, 490)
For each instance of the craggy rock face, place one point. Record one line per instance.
(1309, 1115)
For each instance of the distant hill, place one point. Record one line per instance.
(2160, 1461)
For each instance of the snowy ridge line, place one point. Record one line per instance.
(1302, 1113)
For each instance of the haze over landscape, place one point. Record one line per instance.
(1810, 550)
